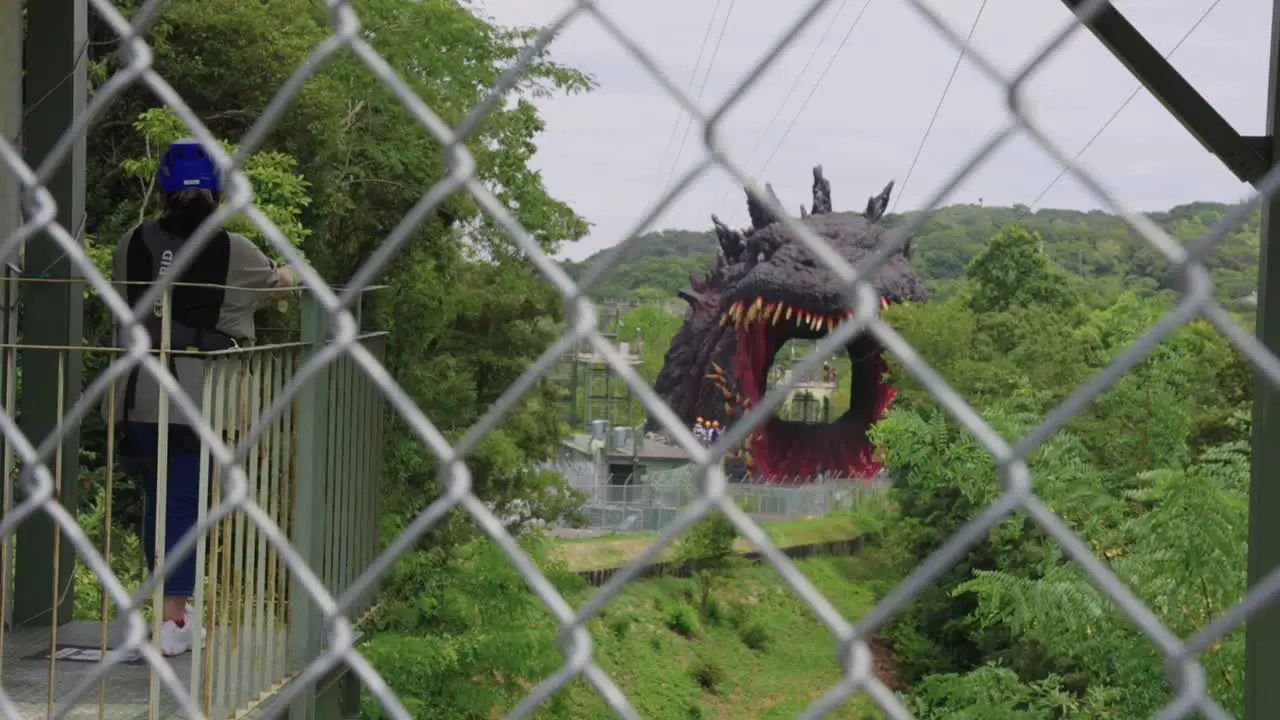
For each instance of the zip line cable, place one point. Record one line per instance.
(938, 108)
(844, 41)
(693, 78)
(715, 50)
(1191, 31)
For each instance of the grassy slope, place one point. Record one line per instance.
(654, 666)
(617, 549)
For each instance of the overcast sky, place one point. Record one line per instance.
(610, 153)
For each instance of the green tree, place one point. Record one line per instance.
(1013, 272)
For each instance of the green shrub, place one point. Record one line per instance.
(716, 613)
(756, 637)
(620, 625)
(708, 675)
(739, 615)
(683, 620)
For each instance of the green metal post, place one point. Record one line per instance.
(1262, 631)
(10, 219)
(54, 98)
(306, 626)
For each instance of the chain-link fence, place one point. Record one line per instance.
(651, 500)
(850, 639)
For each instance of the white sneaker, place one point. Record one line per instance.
(175, 640)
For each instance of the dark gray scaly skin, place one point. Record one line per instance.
(766, 275)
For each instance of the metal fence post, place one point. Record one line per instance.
(306, 625)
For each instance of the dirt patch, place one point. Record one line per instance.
(886, 666)
(578, 533)
(616, 553)
(596, 555)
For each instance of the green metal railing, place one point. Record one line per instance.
(314, 469)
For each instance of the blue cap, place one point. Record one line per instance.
(185, 164)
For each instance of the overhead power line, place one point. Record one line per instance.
(938, 108)
(1185, 36)
(715, 50)
(794, 84)
(693, 78)
(813, 91)
(844, 41)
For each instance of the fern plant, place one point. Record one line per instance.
(1183, 556)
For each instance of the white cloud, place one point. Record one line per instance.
(603, 152)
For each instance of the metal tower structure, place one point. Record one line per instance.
(593, 391)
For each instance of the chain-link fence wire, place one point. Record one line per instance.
(1186, 674)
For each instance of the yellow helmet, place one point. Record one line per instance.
(699, 419)
(715, 423)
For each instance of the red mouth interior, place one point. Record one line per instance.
(783, 449)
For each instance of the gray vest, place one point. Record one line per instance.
(194, 313)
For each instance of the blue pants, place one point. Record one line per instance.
(182, 502)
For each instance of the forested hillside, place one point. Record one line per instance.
(1096, 246)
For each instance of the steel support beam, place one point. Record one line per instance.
(56, 48)
(1248, 158)
(1262, 631)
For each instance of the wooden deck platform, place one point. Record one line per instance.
(25, 673)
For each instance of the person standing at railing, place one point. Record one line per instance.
(212, 309)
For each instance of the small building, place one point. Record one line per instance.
(622, 454)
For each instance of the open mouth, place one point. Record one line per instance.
(782, 449)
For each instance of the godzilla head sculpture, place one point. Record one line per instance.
(766, 289)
